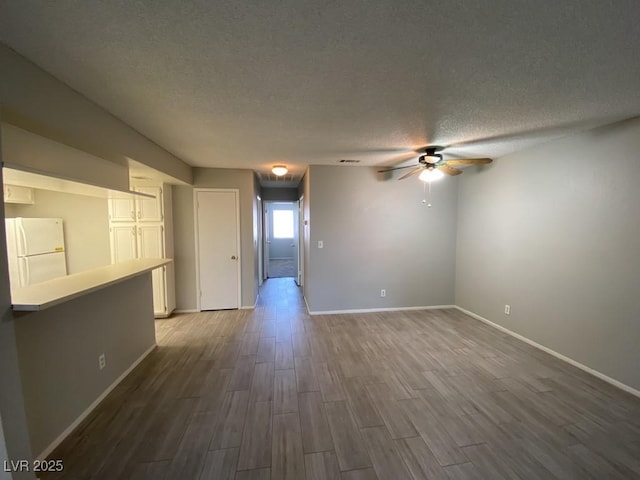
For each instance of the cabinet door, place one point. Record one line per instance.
(16, 194)
(159, 299)
(149, 209)
(123, 242)
(150, 241)
(122, 210)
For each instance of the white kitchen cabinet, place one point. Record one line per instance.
(122, 210)
(149, 209)
(124, 242)
(158, 277)
(151, 241)
(17, 194)
(146, 232)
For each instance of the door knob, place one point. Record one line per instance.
(233, 257)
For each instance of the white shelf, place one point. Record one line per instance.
(53, 292)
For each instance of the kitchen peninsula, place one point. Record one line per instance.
(78, 336)
(53, 292)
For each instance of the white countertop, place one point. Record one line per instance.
(47, 294)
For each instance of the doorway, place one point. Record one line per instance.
(281, 245)
(217, 228)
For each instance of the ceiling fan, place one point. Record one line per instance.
(431, 165)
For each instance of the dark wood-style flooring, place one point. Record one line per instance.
(277, 394)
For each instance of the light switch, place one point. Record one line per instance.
(320, 244)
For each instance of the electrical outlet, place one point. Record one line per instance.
(320, 244)
(507, 309)
(102, 361)
(383, 293)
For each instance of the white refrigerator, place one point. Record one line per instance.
(35, 249)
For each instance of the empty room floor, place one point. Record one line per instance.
(274, 393)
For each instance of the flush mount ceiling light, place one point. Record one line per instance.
(279, 170)
(430, 174)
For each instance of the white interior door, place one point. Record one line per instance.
(217, 242)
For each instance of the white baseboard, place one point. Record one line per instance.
(251, 307)
(306, 303)
(570, 361)
(374, 310)
(186, 310)
(91, 407)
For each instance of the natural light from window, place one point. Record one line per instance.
(282, 224)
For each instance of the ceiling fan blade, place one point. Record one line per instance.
(415, 171)
(449, 170)
(468, 161)
(395, 168)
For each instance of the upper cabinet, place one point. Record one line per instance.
(141, 209)
(149, 209)
(122, 210)
(17, 194)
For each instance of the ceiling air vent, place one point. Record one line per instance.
(348, 161)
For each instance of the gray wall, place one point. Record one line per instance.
(555, 233)
(12, 410)
(184, 234)
(280, 194)
(377, 235)
(184, 251)
(86, 225)
(58, 350)
(36, 101)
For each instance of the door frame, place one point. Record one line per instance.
(197, 238)
(301, 236)
(261, 275)
(266, 225)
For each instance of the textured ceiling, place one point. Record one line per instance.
(247, 84)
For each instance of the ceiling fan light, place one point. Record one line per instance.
(430, 174)
(432, 159)
(279, 170)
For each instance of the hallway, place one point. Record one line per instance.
(274, 393)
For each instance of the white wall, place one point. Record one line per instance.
(86, 225)
(377, 235)
(555, 233)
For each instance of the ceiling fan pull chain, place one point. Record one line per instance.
(424, 191)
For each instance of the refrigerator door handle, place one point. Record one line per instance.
(22, 240)
(24, 272)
